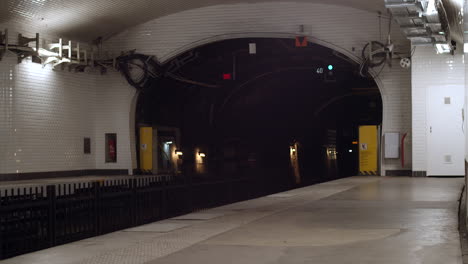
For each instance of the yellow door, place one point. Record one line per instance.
(368, 150)
(146, 148)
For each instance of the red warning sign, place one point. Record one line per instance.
(301, 41)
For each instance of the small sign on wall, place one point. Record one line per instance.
(392, 145)
(111, 147)
(87, 145)
(364, 146)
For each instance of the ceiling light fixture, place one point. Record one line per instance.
(443, 48)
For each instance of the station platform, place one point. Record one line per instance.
(353, 220)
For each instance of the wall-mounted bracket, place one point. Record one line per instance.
(61, 62)
(23, 42)
(57, 46)
(85, 53)
(64, 54)
(81, 56)
(4, 42)
(49, 60)
(92, 58)
(59, 55)
(69, 49)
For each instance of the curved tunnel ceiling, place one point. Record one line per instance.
(85, 20)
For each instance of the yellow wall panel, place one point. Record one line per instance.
(146, 148)
(368, 150)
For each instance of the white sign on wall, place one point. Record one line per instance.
(392, 145)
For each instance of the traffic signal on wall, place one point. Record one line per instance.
(329, 74)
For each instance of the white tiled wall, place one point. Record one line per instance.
(51, 113)
(430, 69)
(114, 112)
(6, 113)
(45, 115)
(396, 86)
(466, 113)
(70, 106)
(341, 28)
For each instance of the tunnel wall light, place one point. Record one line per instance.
(292, 149)
(201, 154)
(179, 153)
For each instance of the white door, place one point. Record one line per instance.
(445, 135)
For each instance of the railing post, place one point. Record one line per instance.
(97, 211)
(1, 242)
(163, 208)
(189, 195)
(51, 197)
(230, 185)
(2, 227)
(133, 202)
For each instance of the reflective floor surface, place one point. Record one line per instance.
(354, 220)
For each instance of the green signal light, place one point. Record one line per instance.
(330, 67)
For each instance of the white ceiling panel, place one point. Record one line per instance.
(86, 20)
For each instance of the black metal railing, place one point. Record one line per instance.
(39, 217)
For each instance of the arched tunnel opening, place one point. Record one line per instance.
(258, 108)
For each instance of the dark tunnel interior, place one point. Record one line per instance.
(249, 114)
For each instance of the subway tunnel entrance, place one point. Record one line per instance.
(271, 108)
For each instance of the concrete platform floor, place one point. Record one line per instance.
(354, 220)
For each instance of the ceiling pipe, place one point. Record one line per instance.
(430, 22)
(453, 10)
